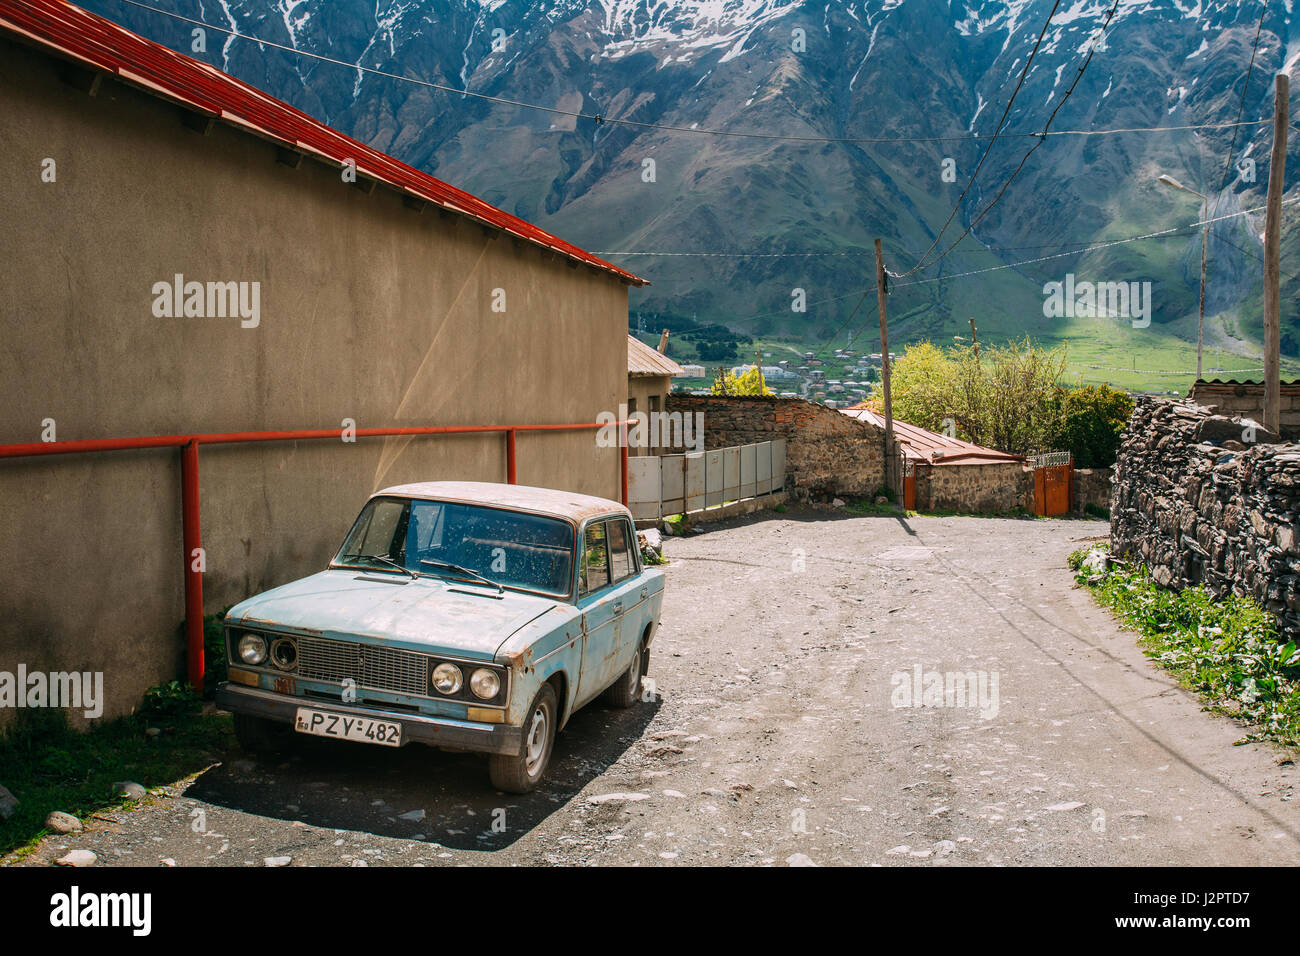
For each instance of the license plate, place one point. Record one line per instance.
(322, 723)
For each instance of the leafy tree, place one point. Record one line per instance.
(1092, 422)
(1004, 397)
(749, 383)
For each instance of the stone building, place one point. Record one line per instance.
(1247, 399)
(955, 475)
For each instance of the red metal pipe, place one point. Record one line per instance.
(623, 461)
(194, 556)
(195, 561)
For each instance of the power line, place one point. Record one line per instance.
(996, 130)
(601, 119)
(1101, 245)
(1092, 48)
(1254, 49)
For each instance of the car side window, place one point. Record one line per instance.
(621, 562)
(595, 559)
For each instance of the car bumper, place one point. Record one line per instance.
(435, 731)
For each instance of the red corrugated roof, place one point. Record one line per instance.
(920, 444)
(79, 35)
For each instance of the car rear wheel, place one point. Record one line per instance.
(626, 691)
(522, 773)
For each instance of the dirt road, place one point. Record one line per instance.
(783, 733)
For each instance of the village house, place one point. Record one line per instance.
(352, 291)
(948, 474)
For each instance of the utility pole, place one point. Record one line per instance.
(1272, 252)
(1200, 320)
(884, 369)
(974, 337)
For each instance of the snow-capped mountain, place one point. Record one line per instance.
(878, 104)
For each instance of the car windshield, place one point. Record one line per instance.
(466, 542)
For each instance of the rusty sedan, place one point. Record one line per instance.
(464, 615)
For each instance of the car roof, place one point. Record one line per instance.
(551, 501)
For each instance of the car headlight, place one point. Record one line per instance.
(284, 654)
(447, 679)
(484, 683)
(252, 649)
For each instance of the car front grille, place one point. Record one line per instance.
(371, 666)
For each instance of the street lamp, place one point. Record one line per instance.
(1166, 180)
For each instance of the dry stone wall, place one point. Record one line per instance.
(1197, 505)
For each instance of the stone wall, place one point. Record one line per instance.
(827, 453)
(975, 489)
(1092, 486)
(1197, 506)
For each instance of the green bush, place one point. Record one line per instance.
(1091, 424)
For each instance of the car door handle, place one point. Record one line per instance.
(644, 592)
(618, 608)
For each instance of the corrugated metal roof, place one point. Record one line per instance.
(1233, 383)
(920, 444)
(81, 36)
(643, 360)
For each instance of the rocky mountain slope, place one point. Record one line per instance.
(826, 77)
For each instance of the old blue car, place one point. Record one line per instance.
(465, 615)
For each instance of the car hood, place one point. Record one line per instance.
(426, 614)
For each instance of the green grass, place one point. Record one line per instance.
(1228, 651)
(49, 766)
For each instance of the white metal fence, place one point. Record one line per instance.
(659, 485)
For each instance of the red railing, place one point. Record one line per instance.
(189, 445)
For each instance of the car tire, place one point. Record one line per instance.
(522, 773)
(258, 735)
(626, 691)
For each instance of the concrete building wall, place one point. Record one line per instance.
(369, 311)
(641, 389)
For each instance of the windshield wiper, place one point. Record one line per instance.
(457, 568)
(387, 560)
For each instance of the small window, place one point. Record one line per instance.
(654, 403)
(621, 561)
(595, 559)
(631, 406)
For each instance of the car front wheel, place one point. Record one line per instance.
(522, 773)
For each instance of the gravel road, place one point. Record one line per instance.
(782, 733)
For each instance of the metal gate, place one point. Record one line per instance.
(660, 485)
(1053, 478)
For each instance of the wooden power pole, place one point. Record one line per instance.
(974, 337)
(884, 371)
(1272, 254)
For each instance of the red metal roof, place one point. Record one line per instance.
(100, 44)
(920, 444)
